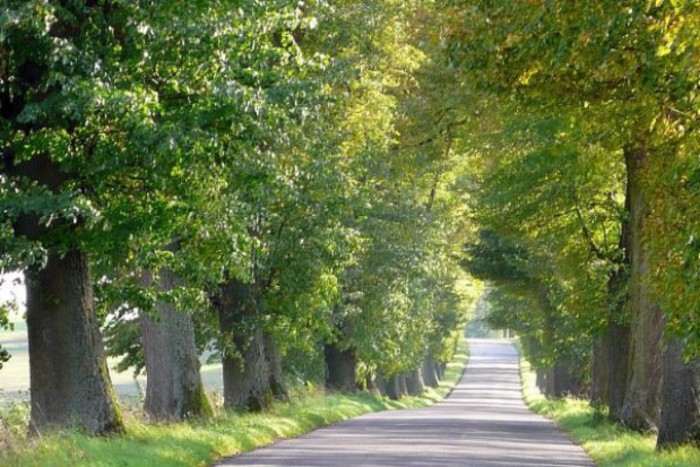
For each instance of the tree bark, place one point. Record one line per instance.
(680, 399)
(414, 382)
(641, 402)
(340, 369)
(174, 389)
(403, 389)
(617, 332)
(70, 384)
(541, 380)
(549, 387)
(274, 364)
(618, 342)
(380, 384)
(559, 382)
(440, 367)
(245, 367)
(396, 386)
(599, 370)
(429, 372)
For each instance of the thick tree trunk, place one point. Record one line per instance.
(414, 382)
(174, 389)
(541, 380)
(70, 384)
(680, 399)
(403, 389)
(396, 387)
(559, 381)
(599, 370)
(566, 383)
(617, 332)
(340, 369)
(274, 364)
(245, 367)
(549, 388)
(430, 377)
(618, 342)
(440, 367)
(380, 384)
(641, 404)
(371, 383)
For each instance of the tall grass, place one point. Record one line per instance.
(199, 442)
(607, 443)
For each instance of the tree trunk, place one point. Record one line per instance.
(680, 399)
(371, 383)
(396, 387)
(599, 370)
(403, 389)
(440, 367)
(245, 367)
(559, 381)
(566, 384)
(70, 384)
(380, 384)
(274, 364)
(549, 387)
(430, 376)
(618, 342)
(617, 332)
(341, 367)
(414, 382)
(541, 380)
(641, 403)
(174, 389)
(392, 388)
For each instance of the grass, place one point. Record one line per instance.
(200, 442)
(607, 443)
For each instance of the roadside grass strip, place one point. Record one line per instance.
(200, 442)
(607, 443)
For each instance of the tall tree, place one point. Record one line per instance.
(47, 88)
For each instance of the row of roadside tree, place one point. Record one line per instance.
(251, 180)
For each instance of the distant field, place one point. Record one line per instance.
(14, 376)
(19, 333)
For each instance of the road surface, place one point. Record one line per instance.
(484, 422)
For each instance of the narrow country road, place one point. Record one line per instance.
(483, 423)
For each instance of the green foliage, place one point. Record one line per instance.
(560, 91)
(291, 147)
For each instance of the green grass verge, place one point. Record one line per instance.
(607, 443)
(201, 442)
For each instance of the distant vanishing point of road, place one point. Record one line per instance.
(484, 422)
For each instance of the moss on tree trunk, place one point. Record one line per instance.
(70, 384)
(174, 389)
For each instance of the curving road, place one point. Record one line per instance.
(484, 422)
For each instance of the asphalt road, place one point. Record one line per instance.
(484, 422)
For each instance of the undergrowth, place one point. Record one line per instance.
(199, 442)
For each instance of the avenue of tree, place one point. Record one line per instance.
(314, 191)
(225, 177)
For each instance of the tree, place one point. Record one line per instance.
(45, 101)
(630, 68)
